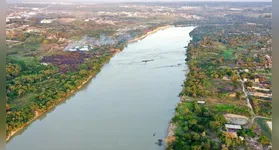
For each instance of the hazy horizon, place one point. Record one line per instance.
(115, 1)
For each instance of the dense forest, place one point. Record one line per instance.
(196, 125)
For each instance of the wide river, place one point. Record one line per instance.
(133, 97)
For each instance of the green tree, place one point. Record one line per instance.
(83, 72)
(249, 84)
(264, 140)
(238, 95)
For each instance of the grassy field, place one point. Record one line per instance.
(228, 54)
(262, 107)
(23, 101)
(23, 50)
(229, 108)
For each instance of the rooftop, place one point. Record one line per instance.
(231, 126)
(201, 102)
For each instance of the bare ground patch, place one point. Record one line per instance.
(236, 119)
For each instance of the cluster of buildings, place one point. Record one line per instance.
(20, 13)
(101, 21)
(47, 21)
(143, 11)
(260, 87)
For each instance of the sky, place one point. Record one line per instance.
(137, 0)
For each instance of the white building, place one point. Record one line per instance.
(84, 48)
(246, 70)
(31, 13)
(33, 29)
(201, 102)
(232, 128)
(45, 64)
(72, 50)
(260, 89)
(46, 21)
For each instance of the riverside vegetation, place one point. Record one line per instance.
(30, 79)
(30, 89)
(212, 57)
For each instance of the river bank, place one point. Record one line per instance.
(124, 94)
(210, 107)
(171, 128)
(148, 33)
(38, 114)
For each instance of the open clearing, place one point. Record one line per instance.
(236, 119)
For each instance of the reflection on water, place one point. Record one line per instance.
(128, 105)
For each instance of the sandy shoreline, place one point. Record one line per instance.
(38, 114)
(148, 33)
(170, 137)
